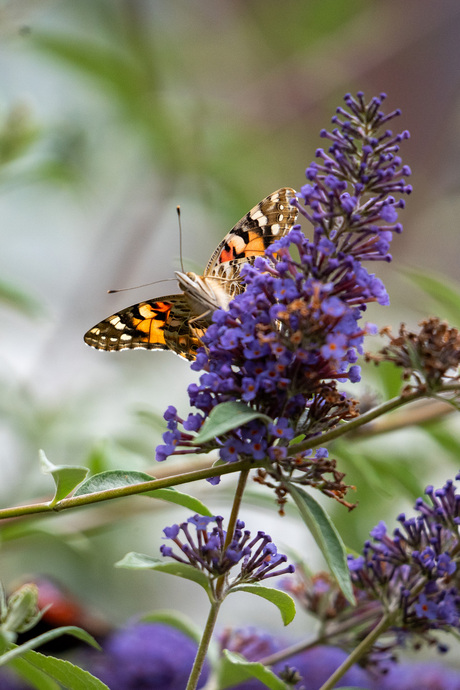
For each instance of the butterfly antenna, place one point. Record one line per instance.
(135, 287)
(180, 238)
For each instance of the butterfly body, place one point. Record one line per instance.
(204, 294)
(176, 322)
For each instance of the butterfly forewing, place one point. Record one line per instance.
(176, 322)
(271, 219)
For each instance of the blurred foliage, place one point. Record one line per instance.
(445, 297)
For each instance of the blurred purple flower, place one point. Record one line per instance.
(147, 656)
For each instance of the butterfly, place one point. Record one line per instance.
(176, 322)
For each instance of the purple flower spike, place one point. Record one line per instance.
(257, 558)
(286, 342)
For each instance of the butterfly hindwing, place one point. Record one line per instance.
(160, 324)
(176, 322)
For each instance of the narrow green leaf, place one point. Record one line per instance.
(112, 479)
(152, 419)
(326, 536)
(445, 293)
(390, 378)
(69, 676)
(365, 465)
(235, 669)
(20, 650)
(283, 601)
(227, 416)
(140, 561)
(66, 477)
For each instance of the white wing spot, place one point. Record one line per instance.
(259, 217)
(125, 336)
(276, 228)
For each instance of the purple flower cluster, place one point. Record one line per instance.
(257, 558)
(414, 574)
(294, 333)
(145, 655)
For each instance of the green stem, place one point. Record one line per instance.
(220, 584)
(360, 650)
(241, 466)
(204, 645)
(232, 523)
(327, 637)
(236, 507)
(99, 496)
(365, 418)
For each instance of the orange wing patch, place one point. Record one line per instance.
(238, 247)
(152, 321)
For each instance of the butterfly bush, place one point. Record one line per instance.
(410, 580)
(295, 333)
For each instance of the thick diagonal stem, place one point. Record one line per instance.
(360, 650)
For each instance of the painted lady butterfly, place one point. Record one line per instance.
(176, 322)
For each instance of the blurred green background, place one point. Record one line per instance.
(112, 113)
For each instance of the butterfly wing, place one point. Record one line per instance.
(159, 324)
(271, 219)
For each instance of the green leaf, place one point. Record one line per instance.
(66, 477)
(326, 536)
(117, 479)
(227, 416)
(365, 465)
(446, 294)
(390, 378)
(140, 561)
(69, 676)
(22, 649)
(112, 479)
(283, 601)
(33, 675)
(235, 669)
(151, 418)
(180, 498)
